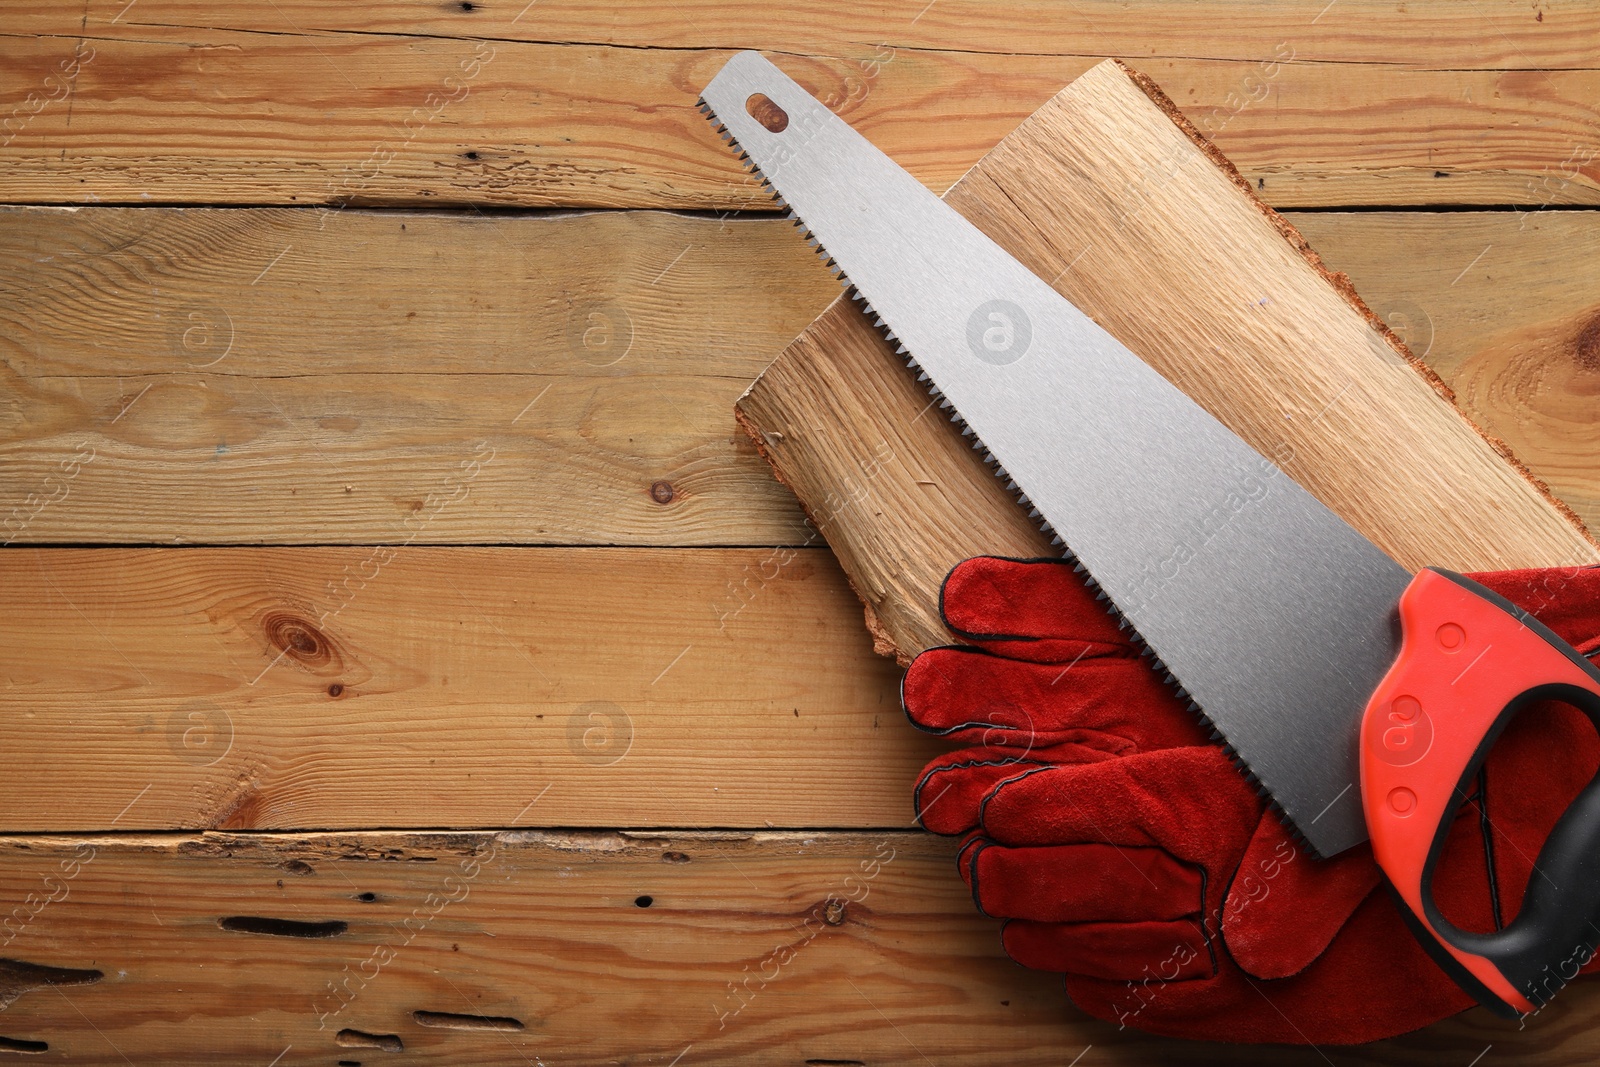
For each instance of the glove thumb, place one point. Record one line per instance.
(1285, 906)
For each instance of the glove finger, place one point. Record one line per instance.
(1566, 599)
(950, 792)
(1375, 981)
(1131, 952)
(1082, 883)
(1115, 702)
(1191, 802)
(952, 788)
(1030, 609)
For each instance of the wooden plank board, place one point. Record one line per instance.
(821, 948)
(348, 364)
(261, 376)
(1506, 36)
(443, 687)
(268, 105)
(1127, 212)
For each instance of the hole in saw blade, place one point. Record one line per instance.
(769, 114)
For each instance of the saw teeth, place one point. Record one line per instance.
(1093, 585)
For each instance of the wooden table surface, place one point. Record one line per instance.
(408, 660)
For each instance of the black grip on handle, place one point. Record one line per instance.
(1557, 929)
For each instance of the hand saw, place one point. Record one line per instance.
(1273, 615)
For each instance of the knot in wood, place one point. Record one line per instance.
(297, 638)
(1586, 348)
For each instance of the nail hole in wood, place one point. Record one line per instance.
(450, 1020)
(765, 111)
(17, 1044)
(262, 924)
(19, 976)
(362, 1039)
(643, 901)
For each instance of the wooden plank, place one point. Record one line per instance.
(734, 961)
(271, 105)
(349, 389)
(1103, 193)
(274, 376)
(1504, 36)
(351, 687)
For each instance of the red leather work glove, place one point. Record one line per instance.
(1123, 848)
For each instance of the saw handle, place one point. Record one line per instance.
(1469, 661)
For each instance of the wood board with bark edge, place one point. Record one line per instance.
(573, 949)
(1109, 193)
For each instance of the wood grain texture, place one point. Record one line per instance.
(1102, 193)
(279, 376)
(593, 104)
(1506, 307)
(376, 358)
(336, 416)
(734, 961)
(1506, 36)
(445, 687)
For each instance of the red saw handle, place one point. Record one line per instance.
(1469, 660)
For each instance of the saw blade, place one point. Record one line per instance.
(1275, 616)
